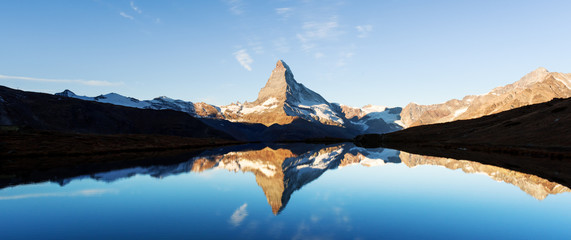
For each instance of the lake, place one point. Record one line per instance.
(292, 191)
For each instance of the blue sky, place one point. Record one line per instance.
(352, 52)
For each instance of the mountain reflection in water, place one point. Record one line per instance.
(280, 170)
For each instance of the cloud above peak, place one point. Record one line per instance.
(135, 8)
(364, 30)
(284, 12)
(244, 59)
(315, 31)
(123, 14)
(235, 6)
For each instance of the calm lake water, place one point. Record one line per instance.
(292, 192)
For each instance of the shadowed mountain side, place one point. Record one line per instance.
(297, 130)
(533, 185)
(56, 113)
(284, 101)
(544, 126)
(371, 118)
(536, 137)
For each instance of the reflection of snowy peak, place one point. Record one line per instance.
(279, 171)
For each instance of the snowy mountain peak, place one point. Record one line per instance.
(66, 93)
(540, 69)
(278, 84)
(283, 100)
(281, 65)
(282, 86)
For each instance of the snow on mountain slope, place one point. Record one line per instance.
(537, 86)
(159, 103)
(373, 119)
(282, 100)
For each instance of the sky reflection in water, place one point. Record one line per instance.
(293, 192)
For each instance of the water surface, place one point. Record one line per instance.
(298, 191)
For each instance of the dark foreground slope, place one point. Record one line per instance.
(48, 112)
(36, 124)
(534, 139)
(544, 126)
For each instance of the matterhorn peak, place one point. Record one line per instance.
(281, 65)
(281, 80)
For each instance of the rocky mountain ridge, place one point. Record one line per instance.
(281, 101)
(537, 86)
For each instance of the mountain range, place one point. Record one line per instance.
(284, 110)
(281, 102)
(537, 86)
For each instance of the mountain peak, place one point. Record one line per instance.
(541, 69)
(66, 93)
(278, 84)
(281, 65)
(535, 76)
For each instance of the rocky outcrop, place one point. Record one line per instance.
(535, 87)
(206, 110)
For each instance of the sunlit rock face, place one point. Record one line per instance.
(535, 87)
(206, 110)
(533, 185)
(283, 100)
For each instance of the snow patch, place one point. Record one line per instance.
(245, 164)
(460, 111)
(566, 82)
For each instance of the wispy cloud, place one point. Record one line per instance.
(50, 80)
(314, 31)
(364, 30)
(256, 46)
(123, 14)
(135, 8)
(239, 215)
(236, 6)
(244, 59)
(82, 193)
(284, 12)
(344, 57)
